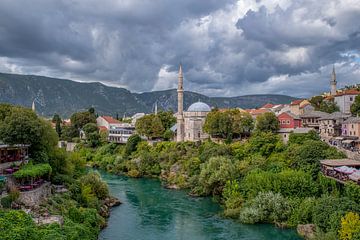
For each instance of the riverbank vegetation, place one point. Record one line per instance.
(81, 207)
(257, 180)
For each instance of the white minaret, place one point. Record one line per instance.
(333, 82)
(180, 114)
(156, 108)
(33, 106)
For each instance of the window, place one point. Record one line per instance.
(283, 121)
(198, 134)
(287, 121)
(351, 99)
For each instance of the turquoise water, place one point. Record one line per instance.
(150, 212)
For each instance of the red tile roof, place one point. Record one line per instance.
(349, 92)
(268, 105)
(296, 102)
(110, 120)
(102, 129)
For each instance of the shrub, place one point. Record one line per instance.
(214, 175)
(266, 207)
(233, 199)
(350, 226)
(289, 183)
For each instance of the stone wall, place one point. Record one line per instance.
(350, 154)
(33, 197)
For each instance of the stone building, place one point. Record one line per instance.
(312, 119)
(190, 123)
(345, 99)
(331, 125)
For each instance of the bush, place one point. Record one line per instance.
(95, 183)
(289, 183)
(303, 212)
(214, 175)
(233, 199)
(266, 207)
(350, 226)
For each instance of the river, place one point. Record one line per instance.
(151, 212)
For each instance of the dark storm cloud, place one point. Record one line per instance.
(227, 47)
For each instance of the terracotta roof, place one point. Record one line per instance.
(296, 102)
(110, 120)
(348, 92)
(290, 114)
(340, 162)
(268, 105)
(102, 129)
(259, 111)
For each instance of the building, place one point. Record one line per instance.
(289, 120)
(107, 122)
(301, 106)
(333, 83)
(351, 127)
(189, 124)
(331, 125)
(121, 133)
(312, 119)
(256, 112)
(345, 99)
(11, 157)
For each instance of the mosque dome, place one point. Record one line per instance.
(199, 107)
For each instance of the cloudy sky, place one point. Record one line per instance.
(227, 47)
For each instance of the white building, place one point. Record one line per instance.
(345, 99)
(120, 134)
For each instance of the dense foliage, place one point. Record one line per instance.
(81, 207)
(228, 124)
(320, 104)
(267, 122)
(355, 107)
(155, 126)
(260, 180)
(33, 171)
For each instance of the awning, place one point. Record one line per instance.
(348, 141)
(346, 169)
(339, 138)
(355, 176)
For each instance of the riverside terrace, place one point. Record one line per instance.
(11, 157)
(341, 170)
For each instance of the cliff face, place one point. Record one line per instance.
(64, 97)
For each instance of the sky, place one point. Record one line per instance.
(227, 47)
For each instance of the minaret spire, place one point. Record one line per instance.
(333, 82)
(156, 108)
(33, 106)
(180, 114)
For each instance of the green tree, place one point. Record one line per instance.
(167, 119)
(316, 102)
(131, 144)
(242, 123)
(57, 120)
(267, 122)
(22, 126)
(80, 119)
(150, 126)
(355, 107)
(214, 174)
(328, 107)
(90, 128)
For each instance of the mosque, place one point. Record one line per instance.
(190, 123)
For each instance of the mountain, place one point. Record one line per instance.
(53, 95)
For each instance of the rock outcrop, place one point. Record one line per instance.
(307, 230)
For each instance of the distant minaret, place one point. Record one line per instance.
(333, 82)
(33, 106)
(180, 114)
(156, 108)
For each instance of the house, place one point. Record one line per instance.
(121, 133)
(289, 120)
(351, 127)
(107, 122)
(312, 119)
(300, 106)
(345, 99)
(331, 125)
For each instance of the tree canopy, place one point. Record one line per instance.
(355, 107)
(228, 124)
(267, 122)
